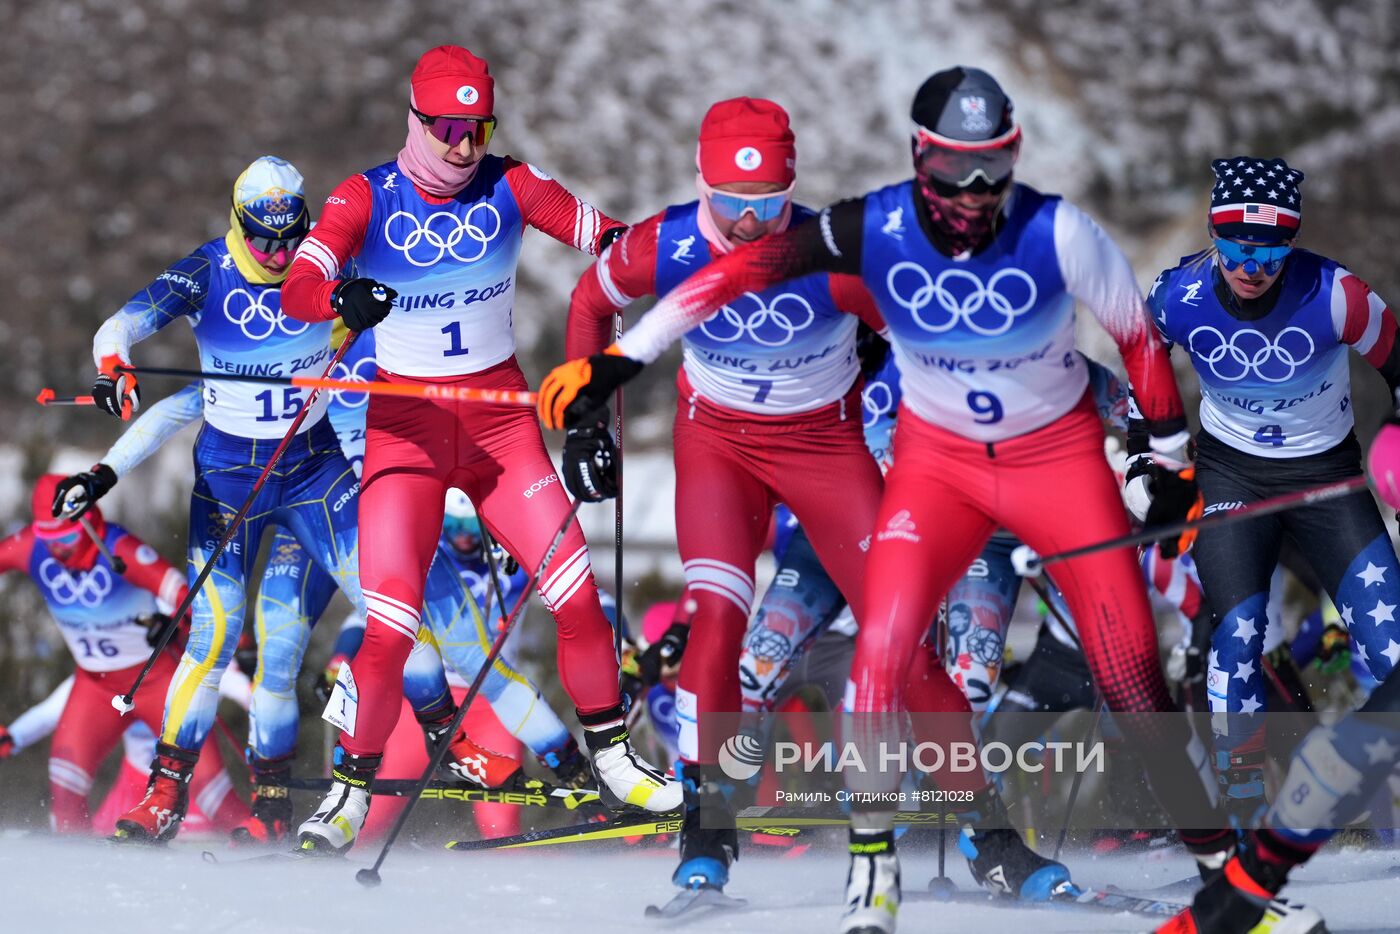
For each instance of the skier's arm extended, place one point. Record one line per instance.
(830, 243)
(625, 272)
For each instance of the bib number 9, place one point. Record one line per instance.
(986, 407)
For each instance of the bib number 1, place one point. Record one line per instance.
(454, 338)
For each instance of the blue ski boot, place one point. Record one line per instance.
(999, 858)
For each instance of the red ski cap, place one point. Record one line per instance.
(451, 80)
(746, 139)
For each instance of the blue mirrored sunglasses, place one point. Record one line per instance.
(1252, 256)
(765, 208)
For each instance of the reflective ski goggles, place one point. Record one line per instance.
(462, 527)
(732, 206)
(264, 248)
(960, 164)
(1252, 256)
(452, 130)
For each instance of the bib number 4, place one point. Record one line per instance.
(1271, 435)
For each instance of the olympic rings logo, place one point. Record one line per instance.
(988, 309)
(877, 399)
(362, 371)
(443, 232)
(90, 589)
(772, 325)
(1249, 351)
(258, 320)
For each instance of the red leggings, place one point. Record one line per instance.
(406, 755)
(1052, 488)
(90, 727)
(732, 468)
(415, 450)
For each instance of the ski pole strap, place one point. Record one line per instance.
(1264, 507)
(124, 702)
(444, 391)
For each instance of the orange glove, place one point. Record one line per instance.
(574, 390)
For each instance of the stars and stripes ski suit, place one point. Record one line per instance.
(1276, 417)
(768, 411)
(453, 263)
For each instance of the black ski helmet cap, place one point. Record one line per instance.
(963, 105)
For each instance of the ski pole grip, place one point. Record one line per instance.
(1026, 561)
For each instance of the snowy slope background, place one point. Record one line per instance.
(125, 122)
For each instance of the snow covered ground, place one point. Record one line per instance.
(60, 886)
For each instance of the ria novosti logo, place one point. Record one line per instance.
(741, 756)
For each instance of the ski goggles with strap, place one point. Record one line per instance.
(452, 130)
(959, 164)
(1252, 256)
(264, 248)
(732, 206)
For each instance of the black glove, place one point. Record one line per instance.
(77, 494)
(505, 561)
(157, 624)
(1175, 498)
(665, 652)
(115, 391)
(362, 303)
(871, 349)
(590, 460)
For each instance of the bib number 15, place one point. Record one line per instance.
(291, 403)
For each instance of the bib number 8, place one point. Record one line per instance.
(986, 406)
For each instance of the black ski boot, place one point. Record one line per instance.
(271, 817)
(709, 840)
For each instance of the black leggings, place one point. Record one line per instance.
(1344, 540)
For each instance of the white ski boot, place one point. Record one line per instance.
(625, 779)
(872, 885)
(332, 829)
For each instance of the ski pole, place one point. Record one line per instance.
(488, 543)
(125, 703)
(1029, 564)
(617, 508)
(117, 564)
(1037, 584)
(370, 876)
(47, 396)
(412, 390)
(1074, 785)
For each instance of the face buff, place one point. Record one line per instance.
(430, 172)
